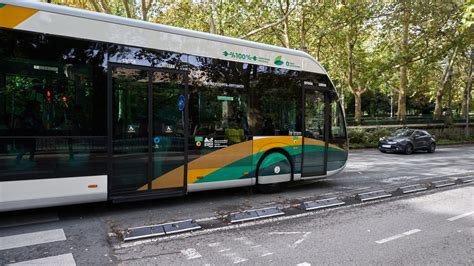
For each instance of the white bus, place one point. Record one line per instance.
(95, 107)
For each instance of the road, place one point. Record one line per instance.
(429, 229)
(86, 234)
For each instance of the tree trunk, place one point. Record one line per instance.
(105, 6)
(286, 34)
(126, 4)
(468, 94)
(438, 112)
(301, 28)
(95, 5)
(467, 90)
(358, 107)
(144, 12)
(402, 107)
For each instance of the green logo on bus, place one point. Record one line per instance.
(278, 61)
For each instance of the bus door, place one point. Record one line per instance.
(315, 122)
(147, 147)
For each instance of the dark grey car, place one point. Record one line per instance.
(408, 140)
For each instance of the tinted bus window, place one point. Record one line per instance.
(218, 111)
(337, 151)
(275, 102)
(52, 106)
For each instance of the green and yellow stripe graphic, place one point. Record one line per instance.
(236, 162)
(12, 16)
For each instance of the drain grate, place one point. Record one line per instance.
(442, 183)
(160, 229)
(320, 204)
(254, 214)
(373, 195)
(412, 188)
(467, 179)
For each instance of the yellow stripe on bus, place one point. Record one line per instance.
(11, 16)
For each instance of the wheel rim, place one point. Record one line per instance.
(409, 149)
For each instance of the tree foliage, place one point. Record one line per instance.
(413, 51)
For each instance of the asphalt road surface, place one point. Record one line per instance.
(430, 229)
(410, 230)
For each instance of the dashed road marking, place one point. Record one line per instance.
(299, 241)
(214, 244)
(29, 239)
(460, 216)
(191, 253)
(63, 260)
(224, 250)
(385, 240)
(235, 258)
(267, 254)
(285, 233)
(303, 264)
(245, 240)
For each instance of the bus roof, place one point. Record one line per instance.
(77, 23)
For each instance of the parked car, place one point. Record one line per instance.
(408, 140)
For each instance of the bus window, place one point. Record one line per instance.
(52, 106)
(337, 151)
(275, 102)
(218, 126)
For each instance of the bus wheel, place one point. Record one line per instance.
(270, 188)
(273, 169)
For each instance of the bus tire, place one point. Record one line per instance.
(270, 188)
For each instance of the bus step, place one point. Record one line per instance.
(442, 183)
(373, 195)
(321, 204)
(160, 230)
(254, 214)
(412, 188)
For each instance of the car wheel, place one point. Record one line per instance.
(409, 149)
(432, 147)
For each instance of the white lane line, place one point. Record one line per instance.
(29, 239)
(460, 216)
(285, 233)
(191, 253)
(63, 260)
(267, 254)
(224, 250)
(235, 258)
(245, 240)
(299, 241)
(385, 240)
(214, 244)
(303, 264)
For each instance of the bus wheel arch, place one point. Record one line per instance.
(274, 168)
